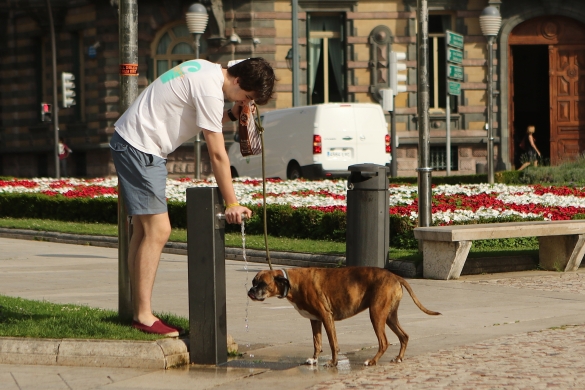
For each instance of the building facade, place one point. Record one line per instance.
(344, 49)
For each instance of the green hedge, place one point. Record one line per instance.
(61, 208)
(283, 220)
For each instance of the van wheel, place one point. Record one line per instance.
(234, 172)
(293, 171)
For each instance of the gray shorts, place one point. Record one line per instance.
(142, 178)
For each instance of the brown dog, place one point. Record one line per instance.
(326, 295)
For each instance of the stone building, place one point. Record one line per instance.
(344, 44)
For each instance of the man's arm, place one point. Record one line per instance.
(220, 164)
(235, 111)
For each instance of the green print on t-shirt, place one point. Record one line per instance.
(179, 70)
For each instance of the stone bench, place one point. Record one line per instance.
(445, 248)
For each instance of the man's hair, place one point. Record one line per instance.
(256, 75)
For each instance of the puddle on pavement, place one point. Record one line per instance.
(275, 366)
(343, 365)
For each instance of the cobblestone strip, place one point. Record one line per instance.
(570, 282)
(551, 358)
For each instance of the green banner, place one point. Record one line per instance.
(453, 88)
(455, 72)
(454, 55)
(454, 39)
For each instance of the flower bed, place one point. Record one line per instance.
(450, 203)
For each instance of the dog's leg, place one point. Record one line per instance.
(329, 325)
(316, 326)
(393, 323)
(378, 318)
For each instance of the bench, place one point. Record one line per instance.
(445, 248)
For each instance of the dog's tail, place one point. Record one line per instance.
(405, 284)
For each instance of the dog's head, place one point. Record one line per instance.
(268, 284)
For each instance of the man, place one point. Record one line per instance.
(183, 101)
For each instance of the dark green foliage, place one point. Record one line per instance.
(177, 214)
(61, 208)
(507, 243)
(286, 221)
(402, 233)
(566, 174)
(508, 177)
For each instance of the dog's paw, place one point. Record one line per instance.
(311, 362)
(369, 363)
(396, 360)
(330, 363)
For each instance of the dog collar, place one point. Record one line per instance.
(286, 286)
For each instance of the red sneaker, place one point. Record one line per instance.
(156, 328)
(177, 328)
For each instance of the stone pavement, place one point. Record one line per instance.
(550, 358)
(517, 330)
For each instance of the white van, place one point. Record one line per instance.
(318, 141)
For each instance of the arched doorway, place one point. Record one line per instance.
(547, 86)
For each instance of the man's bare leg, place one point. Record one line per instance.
(150, 233)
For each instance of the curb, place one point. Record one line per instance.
(159, 354)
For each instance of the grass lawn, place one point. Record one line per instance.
(180, 235)
(26, 318)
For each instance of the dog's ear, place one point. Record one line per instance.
(282, 282)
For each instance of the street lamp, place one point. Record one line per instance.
(490, 21)
(197, 18)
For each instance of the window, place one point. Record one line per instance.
(173, 46)
(437, 61)
(438, 158)
(325, 51)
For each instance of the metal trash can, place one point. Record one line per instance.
(480, 168)
(368, 230)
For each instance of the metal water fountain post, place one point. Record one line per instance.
(206, 274)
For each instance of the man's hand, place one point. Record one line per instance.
(234, 214)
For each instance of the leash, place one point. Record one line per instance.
(260, 129)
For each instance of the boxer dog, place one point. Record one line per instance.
(326, 295)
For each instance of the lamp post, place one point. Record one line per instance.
(290, 64)
(425, 215)
(490, 21)
(55, 104)
(295, 53)
(197, 18)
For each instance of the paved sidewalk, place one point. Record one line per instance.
(494, 331)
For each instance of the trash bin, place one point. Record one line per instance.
(481, 168)
(368, 230)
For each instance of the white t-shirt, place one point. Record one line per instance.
(174, 108)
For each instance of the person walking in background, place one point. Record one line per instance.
(64, 152)
(528, 143)
(174, 108)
